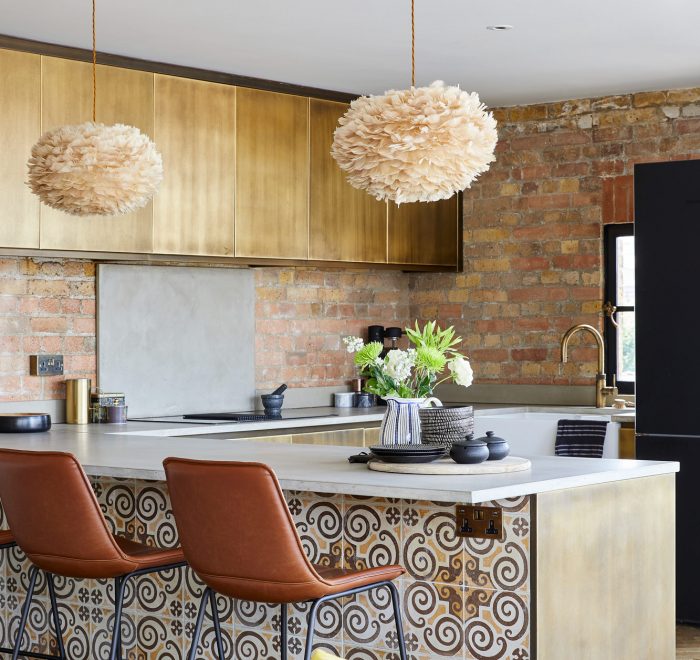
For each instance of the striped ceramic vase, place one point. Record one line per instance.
(401, 423)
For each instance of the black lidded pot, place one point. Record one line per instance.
(469, 451)
(498, 447)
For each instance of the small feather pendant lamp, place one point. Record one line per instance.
(94, 169)
(420, 144)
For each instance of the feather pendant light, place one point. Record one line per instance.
(92, 168)
(420, 144)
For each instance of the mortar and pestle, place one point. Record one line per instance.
(272, 403)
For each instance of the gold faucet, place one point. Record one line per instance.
(602, 389)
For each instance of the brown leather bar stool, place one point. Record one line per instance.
(239, 537)
(7, 541)
(57, 522)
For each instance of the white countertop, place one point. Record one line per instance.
(134, 451)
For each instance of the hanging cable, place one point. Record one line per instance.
(94, 66)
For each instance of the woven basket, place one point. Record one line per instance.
(443, 426)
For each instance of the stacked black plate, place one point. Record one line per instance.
(408, 453)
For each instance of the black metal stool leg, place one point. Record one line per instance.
(283, 631)
(217, 624)
(396, 602)
(33, 572)
(119, 591)
(198, 627)
(56, 617)
(315, 605)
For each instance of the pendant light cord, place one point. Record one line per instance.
(413, 42)
(94, 66)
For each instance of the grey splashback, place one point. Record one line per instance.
(176, 339)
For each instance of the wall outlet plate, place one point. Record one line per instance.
(45, 365)
(480, 522)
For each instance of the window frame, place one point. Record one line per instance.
(611, 233)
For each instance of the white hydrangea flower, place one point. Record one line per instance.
(462, 373)
(353, 344)
(398, 365)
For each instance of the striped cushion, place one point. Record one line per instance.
(580, 437)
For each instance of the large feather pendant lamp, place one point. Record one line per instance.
(92, 168)
(420, 144)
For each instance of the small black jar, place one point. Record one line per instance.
(498, 447)
(469, 451)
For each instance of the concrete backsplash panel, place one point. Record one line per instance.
(176, 339)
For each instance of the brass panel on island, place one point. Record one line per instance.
(124, 96)
(605, 571)
(425, 233)
(20, 127)
(272, 175)
(195, 132)
(345, 224)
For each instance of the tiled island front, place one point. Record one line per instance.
(462, 598)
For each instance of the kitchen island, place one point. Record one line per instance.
(585, 568)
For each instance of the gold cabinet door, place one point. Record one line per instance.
(124, 96)
(425, 233)
(195, 131)
(272, 175)
(20, 128)
(345, 224)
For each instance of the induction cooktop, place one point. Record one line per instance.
(235, 417)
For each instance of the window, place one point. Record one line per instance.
(619, 294)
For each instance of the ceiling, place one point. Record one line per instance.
(558, 49)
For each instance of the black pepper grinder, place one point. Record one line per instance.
(393, 335)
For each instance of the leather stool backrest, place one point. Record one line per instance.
(55, 516)
(236, 531)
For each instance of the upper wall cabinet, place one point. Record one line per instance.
(345, 224)
(124, 96)
(20, 128)
(425, 234)
(272, 175)
(195, 132)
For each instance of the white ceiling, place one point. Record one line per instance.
(559, 49)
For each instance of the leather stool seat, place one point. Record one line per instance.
(146, 556)
(6, 537)
(339, 579)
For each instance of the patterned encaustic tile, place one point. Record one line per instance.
(461, 598)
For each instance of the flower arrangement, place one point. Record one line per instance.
(412, 373)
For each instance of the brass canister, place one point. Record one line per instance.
(77, 400)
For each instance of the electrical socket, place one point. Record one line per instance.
(480, 522)
(46, 365)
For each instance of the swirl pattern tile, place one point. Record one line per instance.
(466, 599)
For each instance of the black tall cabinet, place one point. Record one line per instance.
(667, 254)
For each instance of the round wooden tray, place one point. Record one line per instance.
(448, 466)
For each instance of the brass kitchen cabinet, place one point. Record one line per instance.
(20, 128)
(124, 96)
(425, 233)
(195, 132)
(272, 175)
(345, 224)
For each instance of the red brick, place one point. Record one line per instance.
(529, 354)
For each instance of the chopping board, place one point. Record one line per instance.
(448, 466)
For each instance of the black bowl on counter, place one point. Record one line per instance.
(407, 453)
(24, 422)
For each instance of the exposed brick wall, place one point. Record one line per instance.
(533, 260)
(533, 228)
(46, 306)
(302, 315)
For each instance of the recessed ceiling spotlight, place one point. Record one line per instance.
(499, 28)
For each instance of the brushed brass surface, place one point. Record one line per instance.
(424, 233)
(628, 443)
(20, 128)
(605, 571)
(195, 132)
(345, 224)
(123, 96)
(349, 437)
(77, 400)
(602, 390)
(272, 175)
